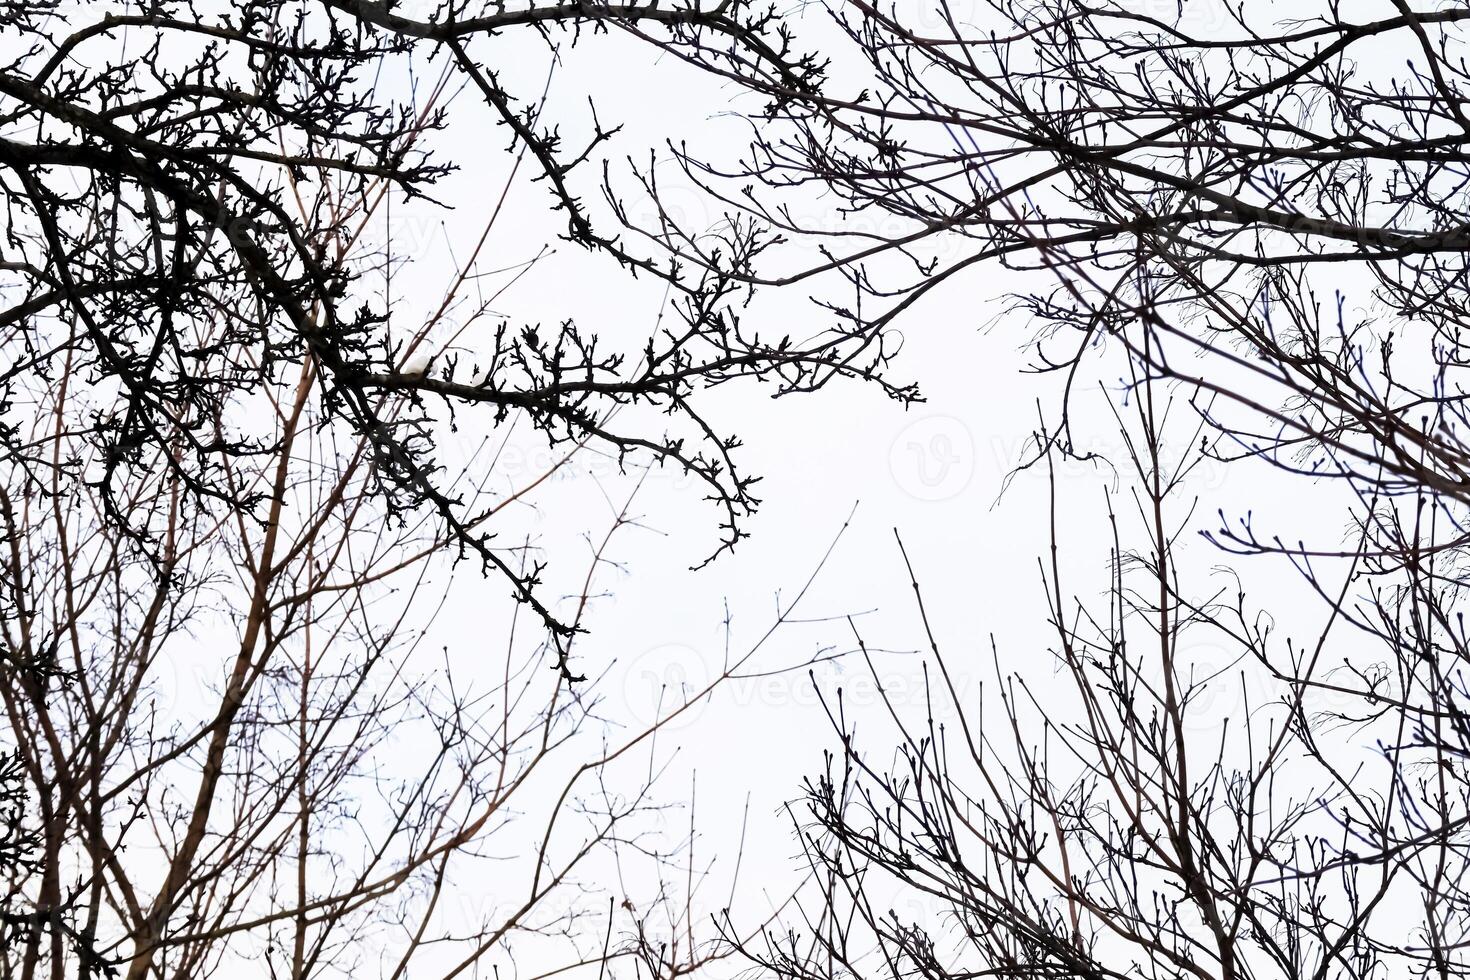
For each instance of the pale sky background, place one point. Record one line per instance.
(934, 472)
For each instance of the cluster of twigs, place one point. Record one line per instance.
(174, 179)
(1258, 214)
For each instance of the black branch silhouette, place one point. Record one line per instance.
(177, 164)
(1254, 212)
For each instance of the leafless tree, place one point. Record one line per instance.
(168, 165)
(1253, 212)
(1274, 204)
(226, 513)
(237, 753)
(1193, 794)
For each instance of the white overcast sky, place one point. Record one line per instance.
(934, 472)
